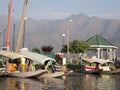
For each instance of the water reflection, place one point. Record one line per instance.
(92, 82)
(20, 84)
(71, 82)
(54, 83)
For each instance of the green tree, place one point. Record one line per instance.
(36, 50)
(64, 49)
(76, 46)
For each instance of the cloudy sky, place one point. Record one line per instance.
(57, 9)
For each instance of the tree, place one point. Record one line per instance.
(76, 46)
(79, 46)
(36, 50)
(47, 49)
(64, 48)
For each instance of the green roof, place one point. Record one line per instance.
(98, 40)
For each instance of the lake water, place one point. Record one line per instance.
(73, 81)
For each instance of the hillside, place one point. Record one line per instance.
(49, 32)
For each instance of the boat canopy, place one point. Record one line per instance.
(103, 61)
(36, 57)
(11, 55)
(100, 61)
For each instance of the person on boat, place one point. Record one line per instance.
(54, 66)
(50, 65)
(12, 67)
(46, 64)
(30, 65)
(7, 65)
(26, 65)
(97, 66)
(19, 66)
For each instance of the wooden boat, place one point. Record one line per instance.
(15, 73)
(89, 70)
(42, 59)
(105, 66)
(34, 57)
(27, 74)
(55, 74)
(94, 71)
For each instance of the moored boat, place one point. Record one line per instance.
(30, 74)
(55, 74)
(53, 70)
(14, 66)
(92, 71)
(107, 66)
(89, 70)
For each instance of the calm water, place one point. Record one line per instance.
(70, 82)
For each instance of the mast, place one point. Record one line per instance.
(21, 25)
(9, 24)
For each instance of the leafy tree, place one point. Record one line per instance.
(36, 50)
(47, 49)
(64, 48)
(76, 46)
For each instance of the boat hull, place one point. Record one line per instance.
(96, 71)
(29, 74)
(55, 74)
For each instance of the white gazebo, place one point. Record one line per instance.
(102, 47)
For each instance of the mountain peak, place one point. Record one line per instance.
(73, 16)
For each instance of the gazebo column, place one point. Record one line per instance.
(114, 54)
(110, 54)
(98, 53)
(101, 54)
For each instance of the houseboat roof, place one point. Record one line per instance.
(11, 55)
(36, 57)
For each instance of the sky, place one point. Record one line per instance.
(60, 9)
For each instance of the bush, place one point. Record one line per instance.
(74, 67)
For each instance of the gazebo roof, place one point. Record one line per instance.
(97, 41)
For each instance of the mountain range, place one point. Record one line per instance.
(49, 32)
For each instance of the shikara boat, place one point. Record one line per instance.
(89, 70)
(29, 74)
(42, 59)
(94, 71)
(55, 74)
(39, 58)
(14, 56)
(107, 66)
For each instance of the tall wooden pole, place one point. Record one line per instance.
(9, 24)
(21, 25)
(13, 37)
